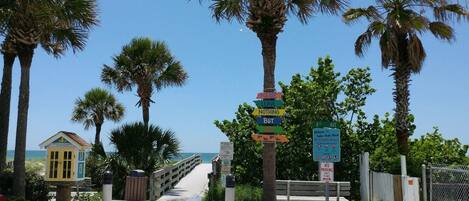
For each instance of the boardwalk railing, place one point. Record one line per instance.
(163, 180)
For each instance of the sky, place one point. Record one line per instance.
(224, 64)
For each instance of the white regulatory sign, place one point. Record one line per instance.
(226, 151)
(326, 172)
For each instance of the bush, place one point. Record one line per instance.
(36, 188)
(89, 197)
(242, 193)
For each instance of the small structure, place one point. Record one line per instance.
(65, 163)
(65, 157)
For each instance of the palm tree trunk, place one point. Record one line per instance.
(269, 42)
(146, 112)
(401, 98)
(25, 58)
(5, 99)
(97, 137)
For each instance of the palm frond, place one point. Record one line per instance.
(303, 9)
(442, 31)
(354, 14)
(229, 10)
(416, 53)
(173, 75)
(331, 6)
(388, 44)
(375, 29)
(450, 12)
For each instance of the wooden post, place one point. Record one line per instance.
(63, 193)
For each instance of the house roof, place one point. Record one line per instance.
(76, 138)
(73, 138)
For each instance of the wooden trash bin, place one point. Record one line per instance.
(136, 186)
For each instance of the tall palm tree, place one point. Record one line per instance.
(97, 106)
(147, 65)
(397, 24)
(9, 56)
(267, 19)
(56, 25)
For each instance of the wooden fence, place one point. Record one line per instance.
(163, 180)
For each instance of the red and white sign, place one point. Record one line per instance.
(326, 172)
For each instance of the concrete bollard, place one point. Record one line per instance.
(230, 188)
(107, 186)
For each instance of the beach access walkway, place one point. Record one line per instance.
(191, 187)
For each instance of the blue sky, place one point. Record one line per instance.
(224, 64)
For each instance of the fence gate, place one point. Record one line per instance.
(447, 183)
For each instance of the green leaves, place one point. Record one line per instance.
(97, 106)
(146, 65)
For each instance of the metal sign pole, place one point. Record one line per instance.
(327, 190)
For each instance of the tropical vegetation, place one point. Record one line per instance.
(242, 193)
(397, 24)
(324, 94)
(54, 25)
(147, 65)
(137, 146)
(97, 106)
(266, 18)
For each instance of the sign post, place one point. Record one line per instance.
(326, 150)
(226, 155)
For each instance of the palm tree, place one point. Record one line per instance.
(147, 65)
(398, 24)
(9, 56)
(145, 147)
(267, 19)
(138, 146)
(97, 106)
(56, 25)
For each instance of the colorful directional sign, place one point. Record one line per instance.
(269, 95)
(269, 138)
(269, 112)
(268, 103)
(326, 144)
(269, 120)
(269, 129)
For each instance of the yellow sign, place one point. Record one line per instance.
(269, 112)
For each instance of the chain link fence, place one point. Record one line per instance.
(448, 183)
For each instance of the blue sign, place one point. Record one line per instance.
(269, 120)
(326, 144)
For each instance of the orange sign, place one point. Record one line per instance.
(269, 138)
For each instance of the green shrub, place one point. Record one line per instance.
(248, 193)
(13, 198)
(89, 197)
(242, 193)
(36, 188)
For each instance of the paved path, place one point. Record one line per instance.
(191, 187)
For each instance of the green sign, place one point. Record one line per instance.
(269, 103)
(326, 124)
(270, 129)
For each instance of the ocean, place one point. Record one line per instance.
(41, 154)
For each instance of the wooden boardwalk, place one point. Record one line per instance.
(191, 187)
